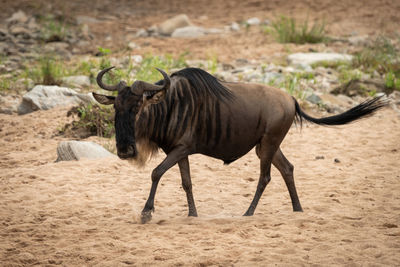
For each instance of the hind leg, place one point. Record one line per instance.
(286, 169)
(266, 150)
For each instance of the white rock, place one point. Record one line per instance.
(86, 19)
(132, 45)
(170, 25)
(78, 80)
(213, 31)
(43, 97)
(188, 32)
(76, 150)
(141, 33)
(137, 58)
(235, 26)
(253, 21)
(311, 58)
(18, 17)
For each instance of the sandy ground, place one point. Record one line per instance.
(87, 213)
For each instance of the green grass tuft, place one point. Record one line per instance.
(286, 30)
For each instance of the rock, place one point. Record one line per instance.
(132, 45)
(273, 78)
(266, 22)
(43, 97)
(142, 33)
(3, 34)
(18, 17)
(20, 32)
(170, 25)
(78, 80)
(235, 26)
(76, 150)
(362, 88)
(213, 31)
(32, 25)
(311, 58)
(137, 58)
(59, 48)
(342, 101)
(313, 98)
(361, 40)
(86, 19)
(253, 21)
(9, 104)
(188, 32)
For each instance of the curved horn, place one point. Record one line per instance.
(167, 81)
(139, 87)
(108, 87)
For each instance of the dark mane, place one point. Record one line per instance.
(204, 83)
(193, 102)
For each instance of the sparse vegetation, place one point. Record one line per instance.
(146, 70)
(383, 57)
(47, 70)
(92, 120)
(53, 30)
(287, 30)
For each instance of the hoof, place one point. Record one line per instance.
(146, 217)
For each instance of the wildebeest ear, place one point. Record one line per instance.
(149, 99)
(104, 99)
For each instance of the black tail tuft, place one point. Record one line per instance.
(362, 110)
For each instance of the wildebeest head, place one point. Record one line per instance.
(128, 105)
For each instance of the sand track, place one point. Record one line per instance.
(87, 212)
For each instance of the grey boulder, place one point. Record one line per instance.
(43, 97)
(76, 150)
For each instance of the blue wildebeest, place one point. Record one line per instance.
(193, 112)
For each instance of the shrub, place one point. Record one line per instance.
(92, 120)
(381, 56)
(287, 31)
(53, 30)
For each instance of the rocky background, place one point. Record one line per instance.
(51, 52)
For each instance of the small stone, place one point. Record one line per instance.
(311, 58)
(235, 26)
(337, 160)
(266, 22)
(142, 33)
(132, 45)
(18, 17)
(319, 157)
(20, 31)
(86, 19)
(188, 32)
(313, 98)
(170, 25)
(137, 58)
(253, 21)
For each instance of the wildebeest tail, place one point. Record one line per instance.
(364, 109)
